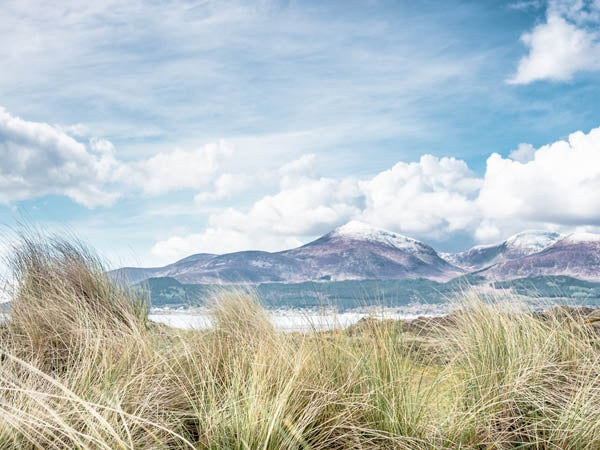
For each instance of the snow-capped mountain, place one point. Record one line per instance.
(576, 255)
(355, 251)
(360, 231)
(358, 251)
(515, 247)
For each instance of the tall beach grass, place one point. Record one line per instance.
(82, 367)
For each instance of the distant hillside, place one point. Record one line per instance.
(552, 287)
(167, 292)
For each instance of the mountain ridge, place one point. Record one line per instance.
(354, 251)
(576, 255)
(514, 247)
(358, 251)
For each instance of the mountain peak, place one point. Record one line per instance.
(516, 246)
(355, 229)
(532, 241)
(576, 255)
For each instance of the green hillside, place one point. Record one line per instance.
(168, 292)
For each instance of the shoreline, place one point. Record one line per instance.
(313, 319)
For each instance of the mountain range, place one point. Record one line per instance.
(357, 251)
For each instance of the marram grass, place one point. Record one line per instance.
(82, 367)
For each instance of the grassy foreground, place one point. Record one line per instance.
(82, 367)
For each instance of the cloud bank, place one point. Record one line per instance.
(554, 187)
(433, 196)
(560, 184)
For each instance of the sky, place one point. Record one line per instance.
(154, 130)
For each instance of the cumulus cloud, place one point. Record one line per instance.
(432, 196)
(294, 172)
(488, 231)
(554, 187)
(310, 207)
(175, 170)
(566, 43)
(524, 152)
(38, 159)
(274, 222)
(559, 185)
(289, 175)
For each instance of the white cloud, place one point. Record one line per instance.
(38, 159)
(274, 222)
(430, 197)
(488, 231)
(560, 185)
(175, 170)
(312, 207)
(218, 240)
(78, 130)
(524, 152)
(293, 172)
(433, 196)
(225, 186)
(566, 43)
(578, 11)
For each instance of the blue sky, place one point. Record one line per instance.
(159, 129)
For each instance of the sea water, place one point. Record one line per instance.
(303, 319)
